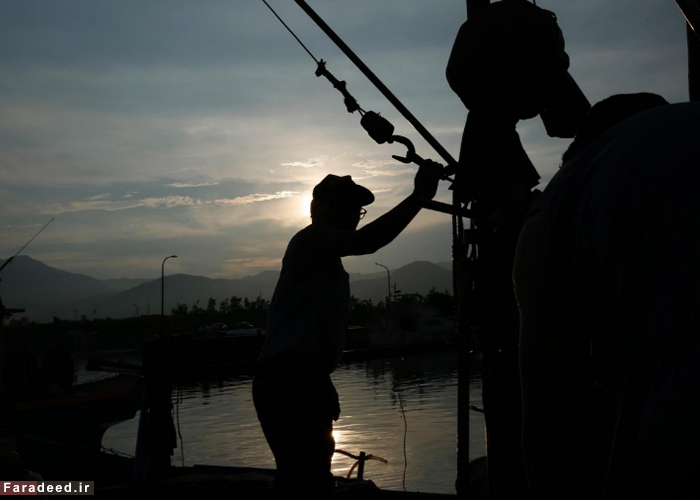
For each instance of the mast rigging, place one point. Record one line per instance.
(378, 128)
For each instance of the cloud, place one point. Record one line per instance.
(254, 198)
(26, 226)
(381, 168)
(314, 162)
(191, 184)
(98, 203)
(102, 196)
(194, 169)
(250, 263)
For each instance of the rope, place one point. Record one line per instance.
(405, 433)
(178, 400)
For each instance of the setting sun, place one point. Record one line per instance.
(306, 205)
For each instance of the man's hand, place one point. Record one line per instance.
(382, 230)
(427, 179)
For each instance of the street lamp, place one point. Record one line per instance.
(162, 291)
(388, 278)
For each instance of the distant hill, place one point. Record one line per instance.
(46, 292)
(121, 284)
(29, 280)
(445, 265)
(416, 277)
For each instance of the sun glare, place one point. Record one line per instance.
(306, 205)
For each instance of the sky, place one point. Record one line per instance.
(147, 129)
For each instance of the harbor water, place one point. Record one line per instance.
(403, 410)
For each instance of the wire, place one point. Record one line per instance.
(37, 234)
(405, 433)
(27, 243)
(178, 401)
(290, 30)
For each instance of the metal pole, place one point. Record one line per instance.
(463, 331)
(388, 282)
(693, 64)
(361, 467)
(162, 293)
(378, 83)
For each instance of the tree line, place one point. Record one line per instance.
(234, 310)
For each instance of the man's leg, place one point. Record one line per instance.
(298, 425)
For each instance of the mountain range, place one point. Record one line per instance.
(45, 292)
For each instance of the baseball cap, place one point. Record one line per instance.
(343, 189)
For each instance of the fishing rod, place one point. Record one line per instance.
(378, 127)
(25, 245)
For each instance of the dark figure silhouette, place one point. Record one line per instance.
(607, 278)
(293, 392)
(508, 64)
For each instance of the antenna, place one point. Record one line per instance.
(25, 245)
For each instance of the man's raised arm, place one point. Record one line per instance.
(380, 232)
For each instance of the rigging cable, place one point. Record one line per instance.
(27, 243)
(350, 103)
(290, 30)
(417, 125)
(378, 127)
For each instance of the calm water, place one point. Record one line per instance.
(381, 401)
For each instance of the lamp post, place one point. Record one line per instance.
(162, 292)
(388, 279)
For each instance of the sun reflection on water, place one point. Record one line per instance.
(219, 424)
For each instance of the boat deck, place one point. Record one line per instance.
(251, 483)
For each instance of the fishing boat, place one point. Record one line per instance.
(53, 424)
(58, 435)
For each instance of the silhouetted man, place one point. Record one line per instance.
(607, 276)
(293, 393)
